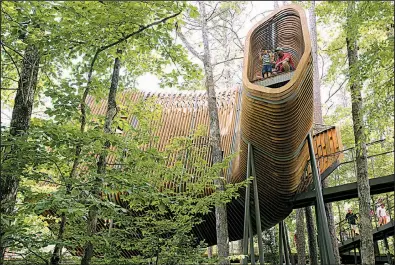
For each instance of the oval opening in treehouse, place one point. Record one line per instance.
(282, 30)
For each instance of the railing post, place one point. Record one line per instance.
(257, 210)
(320, 209)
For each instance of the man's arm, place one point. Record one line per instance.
(284, 60)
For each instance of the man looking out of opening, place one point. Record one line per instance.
(284, 61)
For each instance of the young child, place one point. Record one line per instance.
(267, 58)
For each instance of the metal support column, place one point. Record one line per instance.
(285, 245)
(257, 210)
(328, 256)
(248, 231)
(246, 215)
(252, 251)
(280, 242)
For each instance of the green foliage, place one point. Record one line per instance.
(371, 26)
(154, 220)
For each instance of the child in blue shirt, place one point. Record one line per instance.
(267, 58)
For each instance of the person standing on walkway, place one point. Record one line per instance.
(382, 215)
(352, 220)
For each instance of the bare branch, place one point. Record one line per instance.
(236, 35)
(189, 46)
(212, 13)
(263, 14)
(218, 14)
(231, 59)
(12, 49)
(12, 59)
(220, 75)
(336, 90)
(141, 29)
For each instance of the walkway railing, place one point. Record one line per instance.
(380, 163)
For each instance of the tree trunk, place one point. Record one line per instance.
(57, 252)
(331, 225)
(316, 76)
(367, 250)
(300, 237)
(215, 144)
(20, 122)
(318, 119)
(311, 234)
(238, 247)
(101, 164)
(210, 252)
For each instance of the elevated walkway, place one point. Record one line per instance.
(378, 234)
(351, 258)
(345, 192)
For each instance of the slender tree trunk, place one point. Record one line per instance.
(215, 144)
(57, 252)
(20, 122)
(210, 252)
(238, 247)
(101, 164)
(316, 76)
(300, 236)
(318, 119)
(311, 234)
(331, 225)
(367, 249)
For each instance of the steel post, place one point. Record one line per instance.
(280, 242)
(326, 238)
(246, 212)
(285, 245)
(252, 252)
(319, 236)
(257, 210)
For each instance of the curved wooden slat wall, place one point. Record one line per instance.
(275, 121)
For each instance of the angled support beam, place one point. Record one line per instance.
(280, 242)
(257, 211)
(326, 249)
(247, 216)
(248, 231)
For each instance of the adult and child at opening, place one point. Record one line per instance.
(272, 66)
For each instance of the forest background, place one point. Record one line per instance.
(59, 53)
